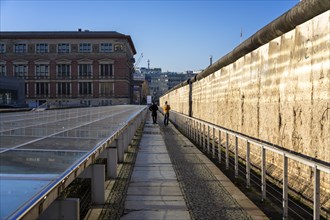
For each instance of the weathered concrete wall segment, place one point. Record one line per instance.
(280, 93)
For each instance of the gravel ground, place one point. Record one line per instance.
(205, 196)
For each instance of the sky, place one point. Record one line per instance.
(176, 36)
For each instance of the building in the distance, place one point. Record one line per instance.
(70, 68)
(160, 82)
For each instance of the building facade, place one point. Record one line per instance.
(160, 82)
(70, 68)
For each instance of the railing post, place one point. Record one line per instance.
(263, 173)
(191, 128)
(236, 156)
(248, 175)
(195, 131)
(203, 137)
(285, 187)
(208, 139)
(316, 193)
(219, 146)
(200, 135)
(213, 142)
(227, 151)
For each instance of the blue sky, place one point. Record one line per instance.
(173, 35)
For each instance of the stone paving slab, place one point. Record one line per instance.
(159, 174)
(158, 167)
(154, 191)
(157, 215)
(156, 204)
(155, 150)
(155, 183)
(154, 198)
(148, 142)
(152, 158)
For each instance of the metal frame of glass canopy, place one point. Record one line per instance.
(41, 153)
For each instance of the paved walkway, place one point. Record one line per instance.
(172, 179)
(154, 191)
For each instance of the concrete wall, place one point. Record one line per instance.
(280, 93)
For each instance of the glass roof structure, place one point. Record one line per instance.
(38, 147)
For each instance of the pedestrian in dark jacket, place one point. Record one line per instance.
(154, 108)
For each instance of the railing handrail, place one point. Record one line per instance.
(305, 159)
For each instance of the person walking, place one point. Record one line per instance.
(154, 108)
(166, 108)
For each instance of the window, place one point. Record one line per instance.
(63, 70)
(63, 89)
(26, 89)
(106, 89)
(42, 48)
(20, 70)
(2, 48)
(106, 70)
(85, 88)
(106, 48)
(42, 70)
(20, 48)
(85, 48)
(63, 48)
(42, 89)
(119, 47)
(3, 70)
(85, 70)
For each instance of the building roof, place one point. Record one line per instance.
(80, 34)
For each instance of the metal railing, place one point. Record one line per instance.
(209, 136)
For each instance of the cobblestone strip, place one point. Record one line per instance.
(114, 206)
(206, 198)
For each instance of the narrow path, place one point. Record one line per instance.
(154, 191)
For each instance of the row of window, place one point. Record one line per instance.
(62, 70)
(64, 89)
(64, 48)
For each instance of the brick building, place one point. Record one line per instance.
(70, 68)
